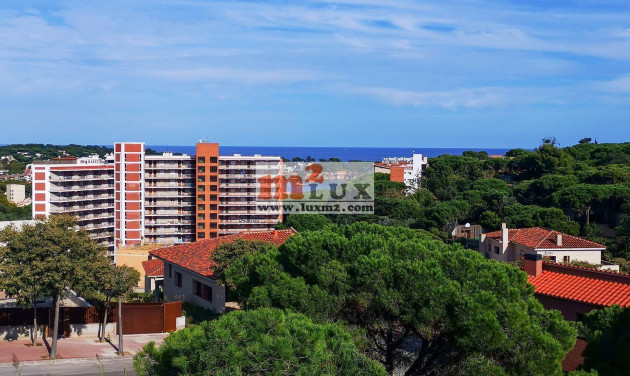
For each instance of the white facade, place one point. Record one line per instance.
(16, 193)
(413, 172)
(182, 284)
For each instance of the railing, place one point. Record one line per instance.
(80, 198)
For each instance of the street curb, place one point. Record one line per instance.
(68, 360)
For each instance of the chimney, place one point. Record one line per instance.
(558, 239)
(504, 236)
(532, 264)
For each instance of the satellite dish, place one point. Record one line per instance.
(467, 225)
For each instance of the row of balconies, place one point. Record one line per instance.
(158, 213)
(169, 194)
(168, 231)
(81, 198)
(167, 222)
(169, 185)
(168, 204)
(76, 208)
(69, 178)
(168, 166)
(108, 215)
(90, 187)
(168, 176)
(98, 226)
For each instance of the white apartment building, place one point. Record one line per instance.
(16, 193)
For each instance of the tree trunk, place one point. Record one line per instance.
(104, 321)
(53, 348)
(120, 329)
(34, 339)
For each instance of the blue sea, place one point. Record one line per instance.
(343, 153)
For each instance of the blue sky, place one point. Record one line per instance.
(389, 73)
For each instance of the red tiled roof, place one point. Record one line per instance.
(153, 267)
(592, 286)
(542, 238)
(197, 256)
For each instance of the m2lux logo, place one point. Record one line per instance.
(308, 188)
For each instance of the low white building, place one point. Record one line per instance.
(512, 244)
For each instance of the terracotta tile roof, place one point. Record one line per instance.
(197, 256)
(542, 238)
(592, 286)
(153, 267)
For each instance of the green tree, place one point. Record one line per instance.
(24, 283)
(607, 332)
(259, 342)
(115, 282)
(426, 307)
(65, 259)
(227, 252)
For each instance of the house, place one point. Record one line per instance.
(188, 272)
(512, 244)
(153, 274)
(575, 290)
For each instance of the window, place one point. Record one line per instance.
(213, 215)
(552, 258)
(496, 250)
(213, 225)
(213, 159)
(201, 188)
(213, 188)
(201, 197)
(201, 169)
(201, 179)
(213, 168)
(213, 178)
(566, 259)
(201, 226)
(178, 279)
(201, 216)
(201, 207)
(202, 290)
(201, 160)
(201, 235)
(213, 234)
(213, 197)
(213, 206)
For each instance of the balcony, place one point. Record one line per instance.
(169, 222)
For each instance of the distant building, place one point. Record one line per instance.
(404, 170)
(188, 272)
(16, 193)
(513, 244)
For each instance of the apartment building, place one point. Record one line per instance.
(131, 198)
(15, 193)
(83, 187)
(237, 194)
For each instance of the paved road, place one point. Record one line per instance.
(110, 367)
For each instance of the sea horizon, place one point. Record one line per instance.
(373, 154)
